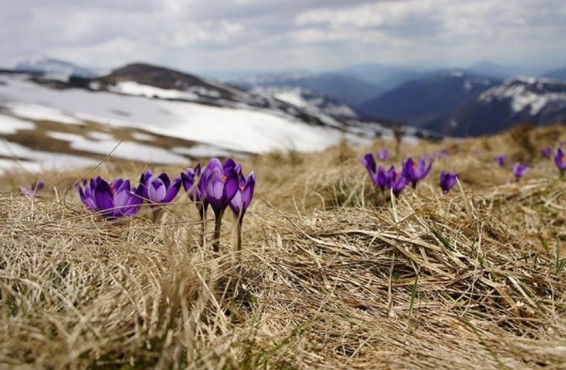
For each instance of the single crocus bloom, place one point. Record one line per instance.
(447, 181)
(33, 190)
(241, 201)
(399, 184)
(221, 185)
(369, 163)
(546, 152)
(383, 155)
(560, 160)
(243, 197)
(159, 190)
(111, 200)
(415, 172)
(501, 159)
(519, 169)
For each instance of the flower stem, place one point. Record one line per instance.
(238, 235)
(217, 227)
(157, 214)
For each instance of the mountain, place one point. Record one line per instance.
(336, 86)
(310, 101)
(422, 100)
(54, 69)
(386, 76)
(495, 70)
(517, 100)
(557, 74)
(153, 114)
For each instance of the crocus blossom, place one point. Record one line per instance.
(519, 169)
(447, 181)
(33, 190)
(398, 184)
(241, 201)
(501, 160)
(383, 155)
(546, 152)
(560, 160)
(158, 190)
(221, 184)
(415, 172)
(369, 163)
(111, 200)
(244, 195)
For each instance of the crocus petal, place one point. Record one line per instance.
(172, 191)
(104, 198)
(156, 190)
(369, 163)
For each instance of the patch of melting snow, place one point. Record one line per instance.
(142, 137)
(65, 136)
(10, 125)
(97, 135)
(202, 150)
(134, 88)
(35, 161)
(42, 112)
(129, 150)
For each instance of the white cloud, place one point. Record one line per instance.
(263, 34)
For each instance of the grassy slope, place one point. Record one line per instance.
(330, 276)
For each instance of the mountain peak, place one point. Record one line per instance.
(55, 69)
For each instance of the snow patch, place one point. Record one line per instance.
(35, 161)
(42, 112)
(134, 88)
(10, 125)
(65, 136)
(129, 150)
(202, 151)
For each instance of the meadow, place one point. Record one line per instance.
(332, 274)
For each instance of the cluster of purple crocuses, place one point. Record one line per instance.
(411, 173)
(519, 169)
(218, 185)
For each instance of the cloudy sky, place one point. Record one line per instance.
(201, 35)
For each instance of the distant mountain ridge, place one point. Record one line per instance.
(344, 88)
(516, 100)
(419, 101)
(55, 68)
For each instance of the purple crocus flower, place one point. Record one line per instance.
(415, 173)
(447, 181)
(159, 190)
(111, 200)
(519, 169)
(243, 197)
(383, 155)
(560, 161)
(546, 152)
(399, 184)
(221, 184)
(369, 163)
(501, 159)
(33, 190)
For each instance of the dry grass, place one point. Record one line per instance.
(331, 276)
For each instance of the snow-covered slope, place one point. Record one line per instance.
(517, 100)
(309, 101)
(211, 129)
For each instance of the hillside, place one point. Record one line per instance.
(427, 98)
(517, 100)
(331, 275)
